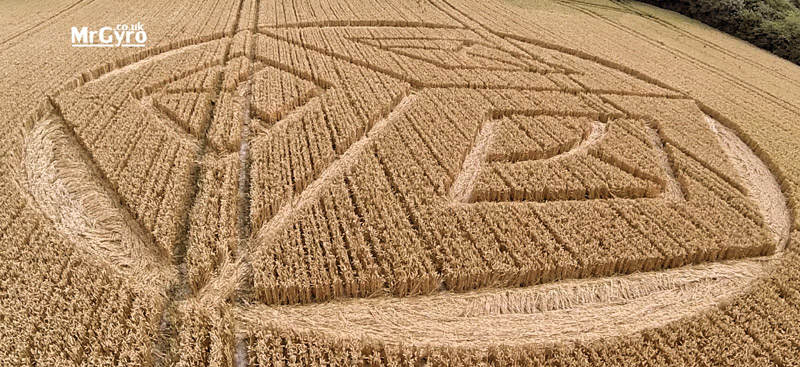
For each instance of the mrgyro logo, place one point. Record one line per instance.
(123, 35)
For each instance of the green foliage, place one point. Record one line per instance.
(773, 25)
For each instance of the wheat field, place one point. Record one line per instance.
(407, 183)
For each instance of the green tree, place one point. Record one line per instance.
(773, 25)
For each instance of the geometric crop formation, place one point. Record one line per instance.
(419, 183)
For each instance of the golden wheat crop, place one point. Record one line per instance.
(433, 182)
